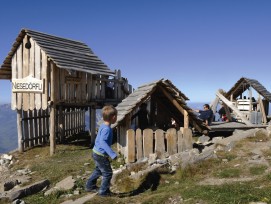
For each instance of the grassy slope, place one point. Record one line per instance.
(158, 187)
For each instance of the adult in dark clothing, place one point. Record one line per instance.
(206, 114)
(143, 116)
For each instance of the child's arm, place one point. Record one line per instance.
(104, 143)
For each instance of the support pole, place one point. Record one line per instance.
(93, 124)
(52, 111)
(19, 129)
(186, 119)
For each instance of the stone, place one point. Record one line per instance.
(29, 190)
(7, 157)
(66, 184)
(203, 139)
(152, 158)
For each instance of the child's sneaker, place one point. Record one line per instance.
(92, 190)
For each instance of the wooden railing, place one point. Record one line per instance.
(140, 144)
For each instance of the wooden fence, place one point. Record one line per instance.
(71, 121)
(141, 145)
(34, 126)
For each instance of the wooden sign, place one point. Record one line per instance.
(27, 84)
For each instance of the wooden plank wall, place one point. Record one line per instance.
(35, 128)
(27, 62)
(71, 87)
(141, 144)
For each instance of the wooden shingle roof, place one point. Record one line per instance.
(144, 92)
(243, 84)
(65, 53)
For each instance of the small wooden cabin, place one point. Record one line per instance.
(246, 102)
(164, 102)
(54, 82)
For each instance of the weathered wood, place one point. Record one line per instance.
(188, 140)
(52, 110)
(83, 88)
(186, 119)
(57, 85)
(19, 130)
(262, 110)
(94, 89)
(171, 137)
(130, 146)
(26, 129)
(180, 141)
(37, 74)
(89, 87)
(93, 125)
(44, 75)
(14, 76)
(139, 145)
(31, 128)
(147, 142)
(250, 99)
(25, 73)
(229, 104)
(159, 143)
(36, 128)
(214, 104)
(20, 74)
(32, 73)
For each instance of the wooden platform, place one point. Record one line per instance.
(231, 126)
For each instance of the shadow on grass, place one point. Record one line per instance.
(151, 182)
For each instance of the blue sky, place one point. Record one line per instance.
(200, 45)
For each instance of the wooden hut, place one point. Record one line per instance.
(164, 102)
(54, 82)
(242, 105)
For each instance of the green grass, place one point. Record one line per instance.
(157, 187)
(257, 170)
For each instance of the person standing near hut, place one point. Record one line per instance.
(101, 152)
(143, 116)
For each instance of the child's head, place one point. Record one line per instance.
(109, 113)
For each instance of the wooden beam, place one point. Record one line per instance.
(174, 101)
(19, 129)
(230, 105)
(214, 104)
(52, 111)
(250, 99)
(93, 125)
(186, 119)
(262, 110)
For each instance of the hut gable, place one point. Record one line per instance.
(164, 93)
(65, 53)
(243, 84)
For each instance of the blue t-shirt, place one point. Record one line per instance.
(104, 140)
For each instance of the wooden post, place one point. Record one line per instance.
(52, 111)
(262, 109)
(186, 119)
(139, 145)
(61, 123)
(250, 99)
(19, 129)
(93, 124)
(130, 134)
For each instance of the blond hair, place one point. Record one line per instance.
(108, 112)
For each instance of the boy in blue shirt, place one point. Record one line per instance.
(101, 153)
